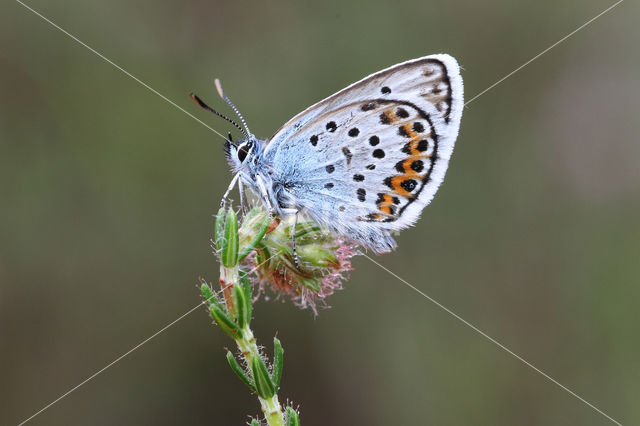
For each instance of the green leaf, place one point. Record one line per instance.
(220, 229)
(225, 323)
(292, 417)
(261, 231)
(240, 371)
(278, 353)
(264, 386)
(241, 305)
(208, 295)
(246, 285)
(229, 254)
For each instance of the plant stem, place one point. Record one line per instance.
(271, 406)
(247, 344)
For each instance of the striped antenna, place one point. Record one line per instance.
(208, 108)
(228, 101)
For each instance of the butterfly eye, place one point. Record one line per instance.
(244, 150)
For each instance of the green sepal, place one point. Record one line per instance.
(317, 255)
(254, 422)
(225, 323)
(229, 255)
(240, 371)
(311, 283)
(264, 385)
(278, 353)
(244, 318)
(262, 230)
(304, 229)
(293, 419)
(219, 229)
(208, 296)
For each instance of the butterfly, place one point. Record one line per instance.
(363, 162)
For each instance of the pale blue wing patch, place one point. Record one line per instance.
(368, 159)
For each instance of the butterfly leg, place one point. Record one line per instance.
(231, 185)
(264, 194)
(294, 212)
(241, 191)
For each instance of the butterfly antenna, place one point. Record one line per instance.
(227, 100)
(208, 108)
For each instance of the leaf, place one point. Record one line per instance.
(233, 363)
(278, 353)
(264, 385)
(241, 305)
(208, 295)
(293, 419)
(219, 227)
(246, 285)
(229, 254)
(225, 323)
(261, 231)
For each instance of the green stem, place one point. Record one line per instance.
(271, 406)
(247, 344)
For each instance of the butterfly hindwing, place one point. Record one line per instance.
(372, 156)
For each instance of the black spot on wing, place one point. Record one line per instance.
(347, 154)
(402, 113)
(369, 106)
(417, 166)
(409, 185)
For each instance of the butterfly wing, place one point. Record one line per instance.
(369, 158)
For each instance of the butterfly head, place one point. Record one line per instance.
(243, 155)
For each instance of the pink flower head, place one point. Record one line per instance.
(324, 261)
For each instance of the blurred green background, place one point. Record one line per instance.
(107, 194)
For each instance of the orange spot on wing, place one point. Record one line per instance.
(391, 116)
(386, 205)
(409, 131)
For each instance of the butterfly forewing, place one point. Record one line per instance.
(372, 156)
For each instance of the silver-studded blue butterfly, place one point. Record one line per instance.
(364, 161)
